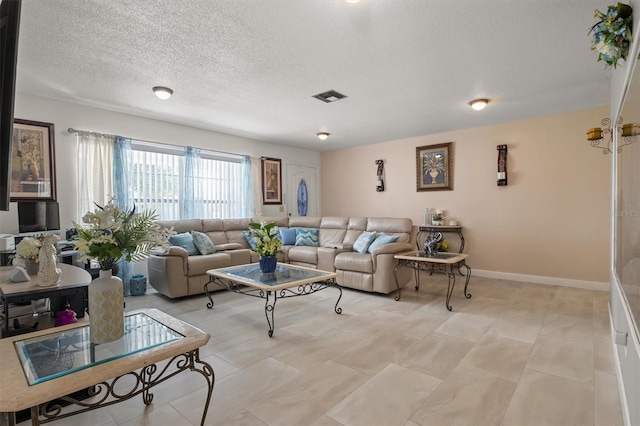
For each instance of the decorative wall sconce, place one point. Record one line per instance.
(380, 173)
(629, 134)
(502, 165)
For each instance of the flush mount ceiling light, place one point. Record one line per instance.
(479, 104)
(323, 136)
(163, 93)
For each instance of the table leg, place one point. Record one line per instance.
(9, 419)
(395, 276)
(416, 274)
(269, 307)
(452, 283)
(208, 294)
(466, 283)
(5, 313)
(335, 308)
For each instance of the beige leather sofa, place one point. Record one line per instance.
(176, 274)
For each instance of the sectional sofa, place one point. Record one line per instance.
(175, 273)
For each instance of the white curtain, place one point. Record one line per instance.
(95, 171)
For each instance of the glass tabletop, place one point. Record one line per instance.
(283, 274)
(57, 354)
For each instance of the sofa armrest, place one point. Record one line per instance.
(340, 246)
(228, 246)
(173, 251)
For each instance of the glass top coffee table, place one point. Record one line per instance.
(448, 263)
(41, 369)
(286, 281)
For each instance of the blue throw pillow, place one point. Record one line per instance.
(184, 240)
(380, 240)
(288, 236)
(307, 237)
(203, 243)
(364, 241)
(252, 244)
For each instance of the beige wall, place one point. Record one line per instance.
(550, 221)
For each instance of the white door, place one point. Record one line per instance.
(295, 175)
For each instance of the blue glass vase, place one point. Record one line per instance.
(268, 264)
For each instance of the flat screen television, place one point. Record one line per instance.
(38, 216)
(9, 28)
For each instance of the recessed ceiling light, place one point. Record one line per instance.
(162, 92)
(479, 104)
(323, 135)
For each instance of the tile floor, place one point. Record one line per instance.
(513, 354)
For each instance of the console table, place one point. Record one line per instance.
(432, 230)
(73, 286)
(33, 378)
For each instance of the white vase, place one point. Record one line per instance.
(106, 308)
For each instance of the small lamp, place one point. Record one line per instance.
(163, 93)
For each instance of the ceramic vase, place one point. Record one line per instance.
(268, 264)
(48, 274)
(106, 308)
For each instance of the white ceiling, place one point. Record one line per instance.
(250, 67)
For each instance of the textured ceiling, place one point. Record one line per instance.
(250, 67)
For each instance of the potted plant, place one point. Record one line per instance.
(267, 243)
(437, 219)
(112, 234)
(27, 252)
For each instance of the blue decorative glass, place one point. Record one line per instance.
(268, 264)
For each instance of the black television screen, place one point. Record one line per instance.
(9, 28)
(38, 216)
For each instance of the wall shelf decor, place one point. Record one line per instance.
(502, 165)
(434, 167)
(380, 176)
(629, 134)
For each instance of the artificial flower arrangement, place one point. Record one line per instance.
(29, 248)
(612, 34)
(433, 163)
(112, 233)
(444, 246)
(265, 236)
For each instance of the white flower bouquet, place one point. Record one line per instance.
(29, 248)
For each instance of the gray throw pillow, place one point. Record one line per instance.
(184, 240)
(203, 242)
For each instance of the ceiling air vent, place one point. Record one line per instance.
(330, 96)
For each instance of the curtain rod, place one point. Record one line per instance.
(71, 130)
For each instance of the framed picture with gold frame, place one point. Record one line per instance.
(33, 171)
(434, 167)
(271, 181)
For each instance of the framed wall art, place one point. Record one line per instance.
(434, 167)
(271, 181)
(33, 171)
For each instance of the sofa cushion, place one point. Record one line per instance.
(380, 240)
(203, 243)
(184, 240)
(352, 261)
(199, 265)
(363, 242)
(288, 236)
(304, 254)
(307, 237)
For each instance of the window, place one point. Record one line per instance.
(178, 186)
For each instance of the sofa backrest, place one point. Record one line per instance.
(355, 227)
(214, 228)
(304, 222)
(391, 226)
(234, 230)
(181, 226)
(332, 231)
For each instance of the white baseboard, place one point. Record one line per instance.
(537, 279)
